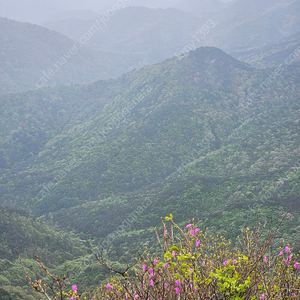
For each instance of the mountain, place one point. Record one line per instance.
(32, 56)
(203, 135)
(158, 34)
(22, 233)
(155, 33)
(273, 54)
(252, 23)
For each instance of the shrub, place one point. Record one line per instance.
(194, 265)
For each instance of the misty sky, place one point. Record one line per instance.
(38, 11)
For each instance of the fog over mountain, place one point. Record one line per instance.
(38, 11)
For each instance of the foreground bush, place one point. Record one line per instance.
(197, 266)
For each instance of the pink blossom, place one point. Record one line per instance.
(108, 286)
(173, 253)
(191, 270)
(197, 243)
(188, 225)
(151, 282)
(197, 230)
(177, 290)
(225, 263)
(136, 296)
(155, 261)
(166, 266)
(145, 268)
(265, 258)
(287, 249)
(297, 266)
(192, 232)
(280, 253)
(177, 282)
(234, 262)
(74, 288)
(203, 263)
(262, 296)
(293, 294)
(150, 270)
(166, 285)
(166, 231)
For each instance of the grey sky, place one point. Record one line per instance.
(38, 11)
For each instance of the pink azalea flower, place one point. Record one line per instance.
(177, 282)
(166, 231)
(166, 285)
(166, 266)
(126, 296)
(192, 232)
(177, 290)
(287, 249)
(74, 288)
(197, 230)
(136, 296)
(188, 225)
(290, 256)
(262, 296)
(297, 266)
(203, 263)
(72, 298)
(287, 261)
(151, 282)
(108, 286)
(293, 294)
(173, 253)
(280, 253)
(145, 268)
(191, 270)
(265, 258)
(234, 262)
(225, 263)
(197, 243)
(150, 270)
(155, 261)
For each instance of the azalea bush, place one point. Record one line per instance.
(195, 265)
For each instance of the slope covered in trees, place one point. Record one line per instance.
(201, 135)
(32, 56)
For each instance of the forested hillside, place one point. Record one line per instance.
(208, 136)
(32, 57)
(191, 130)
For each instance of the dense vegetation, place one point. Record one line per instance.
(194, 265)
(86, 171)
(202, 135)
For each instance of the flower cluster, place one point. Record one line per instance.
(206, 267)
(194, 265)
